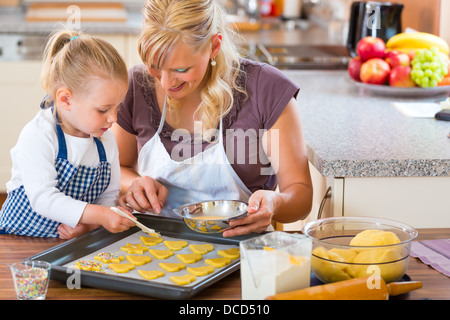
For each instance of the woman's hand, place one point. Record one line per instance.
(144, 194)
(261, 208)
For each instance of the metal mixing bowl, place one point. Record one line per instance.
(334, 259)
(211, 216)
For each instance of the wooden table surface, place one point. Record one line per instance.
(436, 286)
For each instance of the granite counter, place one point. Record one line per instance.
(12, 20)
(352, 133)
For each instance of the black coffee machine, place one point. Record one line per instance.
(372, 18)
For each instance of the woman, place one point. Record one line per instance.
(208, 124)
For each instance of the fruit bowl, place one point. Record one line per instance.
(211, 216)
(414, 64)
(386, 90)
(350, 247)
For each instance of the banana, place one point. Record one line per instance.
(418, 40)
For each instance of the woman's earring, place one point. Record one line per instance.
(213, 62)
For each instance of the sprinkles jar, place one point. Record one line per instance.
(31, 279)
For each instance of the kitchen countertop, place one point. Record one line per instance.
(12, 20)
(351, 133)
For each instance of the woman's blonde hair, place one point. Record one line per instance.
(73, 59)
(194, 23)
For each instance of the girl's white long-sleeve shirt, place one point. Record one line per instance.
(33, 159)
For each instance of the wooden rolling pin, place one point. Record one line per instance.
(353, 289)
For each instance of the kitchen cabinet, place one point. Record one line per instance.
(118, 41)
(20, 93)
(132, 54)
(421, 202)
(126, 44)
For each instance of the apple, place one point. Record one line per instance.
(397, 58)
(370, 47)
(446, 80)
(411, 54)
(446, 60)
(354, 67)
(400, 76)
(375, 71)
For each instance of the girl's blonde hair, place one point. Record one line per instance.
(73, 59)
(194, 23)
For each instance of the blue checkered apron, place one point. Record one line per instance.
(82, 183)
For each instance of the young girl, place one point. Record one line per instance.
(65, 174)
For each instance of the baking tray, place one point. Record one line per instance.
(62, 255)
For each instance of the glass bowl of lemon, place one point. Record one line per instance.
(351, 247)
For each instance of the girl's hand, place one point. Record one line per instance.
(65, 232)
(261, 208)
(114, 223)
(144, 194)
(96, 215)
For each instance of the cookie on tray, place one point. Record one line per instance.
(200, 271)
(134, 248)
(176, 245)
(139, 260)
(201, 248)
(88, 265)
(161, 254)
(183, 280)
(189, 257)
(151, 241)
(150, 274)
(172, 266)
(232, 253)
(218, 262)
(121, 267)
(108, 257)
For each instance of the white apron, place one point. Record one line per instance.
(206, 176)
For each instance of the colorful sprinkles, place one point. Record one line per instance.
(31, 283)
(88, 265)
(108, 257)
